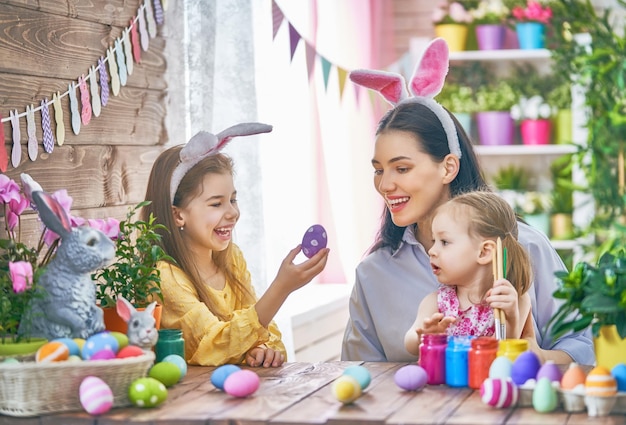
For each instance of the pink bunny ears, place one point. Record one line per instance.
(427, 81)
(205, 144)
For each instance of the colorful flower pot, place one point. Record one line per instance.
(540, 221)
(465, 119)
(610, 349)
(531, 35)
(495, 128)
(490, 37)
(563, 126)
(536, 132)
(454, 34)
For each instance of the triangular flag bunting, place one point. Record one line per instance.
(277, 19)
(342, 74)
(310, 59)
(326, 70)
(294, 39)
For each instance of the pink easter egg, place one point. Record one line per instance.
(499, 392)
(314, 239)
(95, 395)
(104, 354)
(241, 383)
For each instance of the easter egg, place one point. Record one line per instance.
(220, 374)
(147, 392)
(122, 339)
(11, 360)
(80, 342)
(104, 354)
(525, 367)
(241, 383)
(346, 389)
(129, 351)
(74, 359)
(600, 382)
(499, 392)
(313, 240)
(53, 351)
(360, 373)
(501, 367)
(95, 395)
(619, 373)
(551, 371)
(98, 342)
(178, 361)
(573, 378)
(411, 377)
(167, 373)
(71, 345)
(545, 398)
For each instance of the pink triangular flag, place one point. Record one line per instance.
(277, 18)
(310, 59)
(294, 39)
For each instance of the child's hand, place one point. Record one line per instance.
(264, 356)
(294, 276)
(504, 296)
(436, 324)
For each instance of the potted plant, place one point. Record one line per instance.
(560, 98)
(562, 198)
(530, 21)
(489, 18)
(459, 99)
(595, 295)
(493, 103)
(451, 20)
(534, 115)
(134, 274)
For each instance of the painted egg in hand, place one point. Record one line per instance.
(314, 239)
(499, 392)
(95, 395)
(241, 383)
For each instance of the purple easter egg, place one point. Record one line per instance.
(411, 377)
(314, 239)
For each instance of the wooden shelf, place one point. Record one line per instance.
(498, 55)
(525, 149)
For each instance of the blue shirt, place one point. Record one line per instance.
(390, 285)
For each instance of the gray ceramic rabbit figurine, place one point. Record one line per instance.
(68, 307)
(142, 330)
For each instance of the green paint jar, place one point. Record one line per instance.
(170, 341)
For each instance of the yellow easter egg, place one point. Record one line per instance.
(600, 382)
(80, 342)
(346, 389)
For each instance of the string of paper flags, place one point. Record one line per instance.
(94, 89)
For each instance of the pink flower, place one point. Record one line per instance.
(458, 13)
(21, 273)
(9, 190)
(533, 12)
(15, 209)
(109, 226)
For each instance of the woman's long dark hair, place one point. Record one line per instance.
(420, 121)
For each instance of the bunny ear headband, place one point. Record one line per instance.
(426, 83)
(205, 144)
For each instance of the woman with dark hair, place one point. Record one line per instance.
(422, 158)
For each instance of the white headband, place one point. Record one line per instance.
(205, 144)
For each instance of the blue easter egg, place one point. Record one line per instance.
(220, 374)
(99, 342)
(70, 344)
(360, 373)
(178, 361)
(619, 373)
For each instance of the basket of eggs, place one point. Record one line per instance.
(55, 379)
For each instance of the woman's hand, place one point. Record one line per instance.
(264, 356)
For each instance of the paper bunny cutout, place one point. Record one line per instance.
(204, 144)
(426, 82)
(68, 307)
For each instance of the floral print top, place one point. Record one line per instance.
(476, 320)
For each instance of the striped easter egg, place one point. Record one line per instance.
(53, 351)
(600, 382)
(95, 395)
(499, 392)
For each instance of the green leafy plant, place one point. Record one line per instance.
(511, 177)
(563, 187)
(593, 295)
(499, 96)
(134, 274)
(457, 98)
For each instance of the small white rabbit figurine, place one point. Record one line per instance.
(142, 330)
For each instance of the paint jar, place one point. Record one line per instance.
(433, 357)
(170, 342)
(456, 360)
(512, 348)
(482, 353)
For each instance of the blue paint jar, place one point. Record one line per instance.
(456, 360)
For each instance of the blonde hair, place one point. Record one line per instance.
(489, 216)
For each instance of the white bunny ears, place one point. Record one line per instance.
(427, 81)
(205, 144)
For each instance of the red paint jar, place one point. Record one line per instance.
(482, 353)
(433, 357)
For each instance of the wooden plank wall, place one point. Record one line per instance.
(411, 18)
(46, 45)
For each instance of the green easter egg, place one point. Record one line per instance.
(165, 372)
(122, 339)
(11, 360)
(147, 392)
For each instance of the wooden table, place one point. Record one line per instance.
(300, 393)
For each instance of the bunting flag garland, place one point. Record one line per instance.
(31, 129)
(94, 91)
(16, 152)
(58, 118)
(48, 138)
(277, 18)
